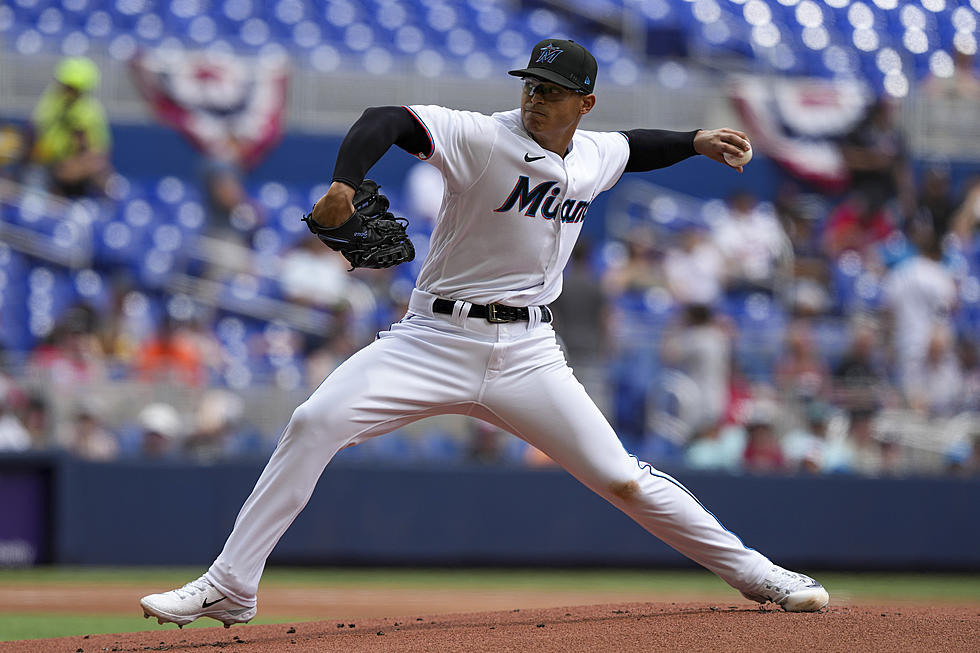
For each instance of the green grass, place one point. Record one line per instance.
(843, 587)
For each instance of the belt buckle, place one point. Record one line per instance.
(498, 313)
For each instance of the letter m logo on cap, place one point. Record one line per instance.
(548, 54)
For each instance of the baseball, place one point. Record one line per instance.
(739, 160)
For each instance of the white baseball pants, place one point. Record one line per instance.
(513, 375)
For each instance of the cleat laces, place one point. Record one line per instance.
(199, 586)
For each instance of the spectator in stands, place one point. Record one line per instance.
(485, 443)
(700, 346)
(14, 436)
(936, 205)
(639, 271)
(36, 418)
(869, 454)
(864, 454)
(14, 152)
(71, 139)
(968, 351)
(635, 290)
(171, 355)
(856, 225)
(72, 354)
(694, 268)
(920, 295)
(876, 156)
(323, 353)
(233, 216)
(129, 320)
(801, 372)
(763, 452)
(811, 272)
(966, 219)
(199, 331)
(717, 449)
(963, 459)
(88, 438)
(860, 379)
(160, 431)
(218, 430)
(313, 275)
(934, 387)
(752, 244)
(809, 448)
(581, 313)
(962, 84)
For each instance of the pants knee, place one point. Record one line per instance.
(312, 426)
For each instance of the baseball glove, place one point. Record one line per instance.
(372, 237)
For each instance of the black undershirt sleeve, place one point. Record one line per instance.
(372, 135)
(657, 148)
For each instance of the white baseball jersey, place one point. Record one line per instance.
(511, 211)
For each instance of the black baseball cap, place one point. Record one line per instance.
(562, 62)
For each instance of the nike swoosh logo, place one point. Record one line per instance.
(208, 605)
(529, 158)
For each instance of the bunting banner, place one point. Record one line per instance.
(797, 123)
(230, 107)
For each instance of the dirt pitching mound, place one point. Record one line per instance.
(613, 627)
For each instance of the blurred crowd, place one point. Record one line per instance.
(801, 333)
(806, 332)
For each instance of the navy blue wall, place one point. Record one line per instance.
(143, 513)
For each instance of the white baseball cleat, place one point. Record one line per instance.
(198, 598)
(794, 592)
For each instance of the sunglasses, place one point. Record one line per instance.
(547, 92)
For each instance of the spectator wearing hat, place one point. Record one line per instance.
(161, 429)
(71, 138)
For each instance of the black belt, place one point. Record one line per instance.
(492, 312)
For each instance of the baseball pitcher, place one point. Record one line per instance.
(477, 338)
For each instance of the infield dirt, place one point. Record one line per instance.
(619, 627)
